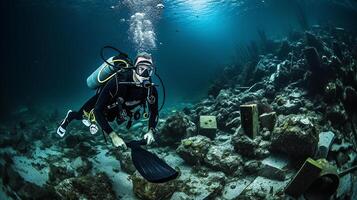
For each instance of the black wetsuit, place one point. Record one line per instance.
(114, 98)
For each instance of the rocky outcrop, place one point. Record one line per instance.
(86, 187)
(175, 128)
(222, 159)
(296, 136)
(203, 185)
(194, 149)
(152, 191)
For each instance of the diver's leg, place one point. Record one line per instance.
(78, 115)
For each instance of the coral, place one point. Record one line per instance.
(194, 149)
(152, 191)
(86, 187)
(297, 137)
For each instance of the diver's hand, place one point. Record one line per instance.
(149, 137)
(117, 141)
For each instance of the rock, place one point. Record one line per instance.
(126, 163)
(72, 140)
(180, 196)
(10, 177)
(222, 159)
(350, 99)
(39, 133)
(58, 172)
(313, 41)
(345, 186)
(330, 94)
(82, 166)
(354, 188)
(194, 149)
(284, 49)
(33, 191)
(85, 149)
(297, 137)
(289, 104)
(208, 187)
(244, 145)
(234, 188)
(23, 146)
(262, 188)
(268, 120)
(336, 114)
(342, 146)
(252, 167)
(86, 187)
(152, 191)
(24, 189)
(342, 158)
(175, 128)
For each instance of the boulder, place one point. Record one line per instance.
(297, 137)
(194, 149)
(85, 149)
(32, 191)
(207, 186)
(350, 99)
(24, 189)
(252, 167)
(72, 140)
(336, 114)
(152, 191)
(126, 163)
(58, 172)
(175, 128)
(222, 159)
(82, 166)
(244, 145)
(86, 187)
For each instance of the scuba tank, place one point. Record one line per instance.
(109, 68)
(106, 71)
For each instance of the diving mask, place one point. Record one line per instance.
(144, 70)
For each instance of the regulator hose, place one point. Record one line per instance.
(164, 92)
(115, 49)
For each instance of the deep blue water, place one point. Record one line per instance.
(50, 47)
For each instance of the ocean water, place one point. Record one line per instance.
(56, 44)
(50, 47)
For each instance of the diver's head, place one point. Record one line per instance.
(144, 67)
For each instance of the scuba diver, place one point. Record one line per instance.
(121, 91)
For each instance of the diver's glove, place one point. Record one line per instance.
(117, 141)
(149, 137)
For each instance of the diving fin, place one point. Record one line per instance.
(149, 165)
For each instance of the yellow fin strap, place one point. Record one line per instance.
(90, 116)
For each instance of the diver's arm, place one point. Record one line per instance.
(154, 112)
(105, 96)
